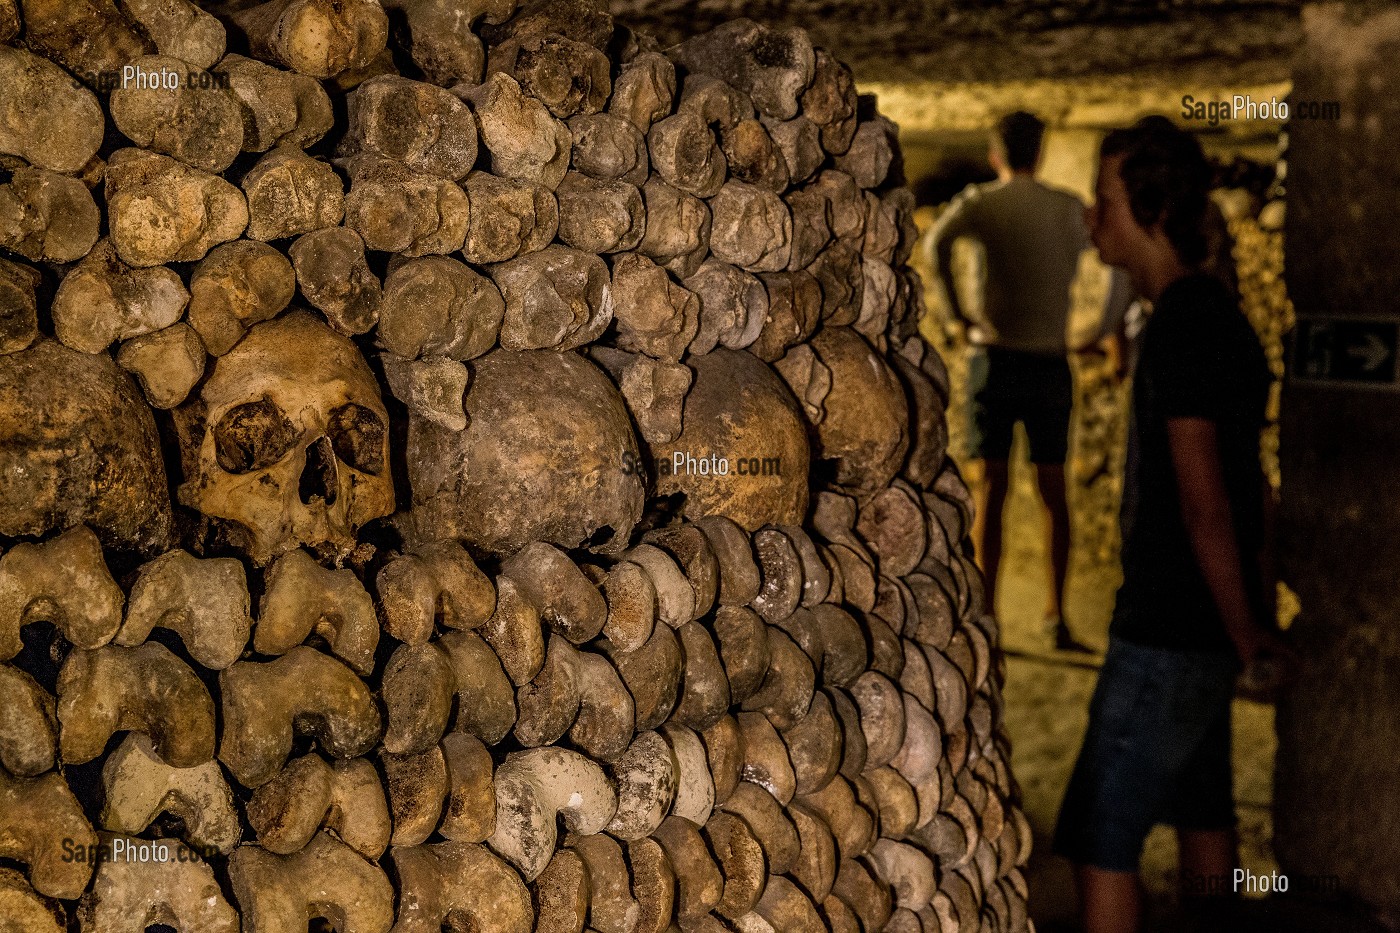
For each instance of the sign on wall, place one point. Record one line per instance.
(1354, 351)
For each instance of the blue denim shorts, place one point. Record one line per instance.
(1157, 751)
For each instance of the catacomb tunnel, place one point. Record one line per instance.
(500, 466)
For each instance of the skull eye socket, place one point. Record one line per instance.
(357, 437)
(253, 436)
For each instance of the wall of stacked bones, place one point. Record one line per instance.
(359, 563)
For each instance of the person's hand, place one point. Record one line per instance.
(1269, 664)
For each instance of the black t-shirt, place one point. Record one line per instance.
(1199, 358)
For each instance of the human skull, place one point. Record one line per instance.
(743, 420)
(547, 456)
(288, 442)
(78, 446)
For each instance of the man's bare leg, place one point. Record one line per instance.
(1050, 478)
(1207, 860)
(1109, 901)
(987, 528)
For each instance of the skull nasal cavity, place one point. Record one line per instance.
(318, 479)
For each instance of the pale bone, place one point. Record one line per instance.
(675, 599)
(64, 581)
(138, 787)
(646, 779)
(436, 306)
(399, 210)
(469, 813)
(49, 121)
(147, 690)
(773, 65)
(103, 300)
(687, 544)
(179, 891)
(36, 817)
(432, 388)
(335, 279)
(421, 125)
(695, 790)
(905, 869)
(654, 315)
(566, 600)
(278, 108)
(46, 216)
(432, 583)
(316, 37)
(327, 878)
(533, 788)
(345, 797)
(160, 210)
(289, 193)
(167, 363)
(781, 591)
(895, 801)
(922, 748)
(303, 690)
(455, 882)
(196, 122)
(524, 141)
(302, 597)
(556, 298)
(28, 728)
(799, 140)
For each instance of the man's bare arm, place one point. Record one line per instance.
(1205, 510)
(953, 224)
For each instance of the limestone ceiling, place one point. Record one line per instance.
(975, 40)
